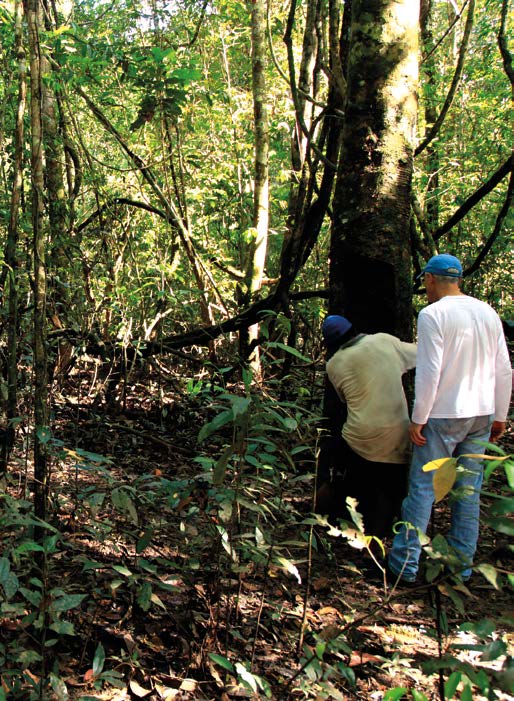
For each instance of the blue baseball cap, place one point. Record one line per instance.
(334, 328)
(443, 264)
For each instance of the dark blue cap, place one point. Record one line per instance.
(334, 328)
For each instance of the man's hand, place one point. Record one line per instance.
(415, 434)
(497, 430)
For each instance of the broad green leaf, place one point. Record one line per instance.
(289, 349)
(483, 628)
(490, 573)
(290, 423)
(28, 657)
(144, 595)
(222, 661)
(144, 541)
(8, 580)
(67, 602)
(503, 505)
(509, 472)
(123, 502)
(495, 649)
(33, 596)
(394, 694)
(220, 468)
(490, 467)
(218, 422)
(98, 660)
(63, 628)
(451, 685)
(239, 405)
(418, 695)
(467, 693)
(59, 687)
(5, 568)
(28, 547)
(452, 593)
(44, 434)
(121, 569)
(92, 565)
(502, 524)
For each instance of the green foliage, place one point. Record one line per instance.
(465, 679)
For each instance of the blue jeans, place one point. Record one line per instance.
(445, 438)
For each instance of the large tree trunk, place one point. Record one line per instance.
(370, 256)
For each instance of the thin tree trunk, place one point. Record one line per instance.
(431, 208)
(11, 258)
(41, 434)
(259, 241)
(169, 206)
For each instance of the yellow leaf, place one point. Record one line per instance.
(444, 478)
(437, 464)
(500, 458)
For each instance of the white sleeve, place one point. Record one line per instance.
(504, 378)
(428, 367)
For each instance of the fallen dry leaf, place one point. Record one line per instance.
(138, 690)
(329, 610)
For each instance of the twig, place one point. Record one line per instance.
(150, 437)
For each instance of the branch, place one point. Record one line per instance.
(452, 25)
(122, 200)
(225, 267)
(497, 228)
(473, 199)
(425, 245)
(198, 337)
(455, 82)
(294, 89)
(193, 39)
(502, 42)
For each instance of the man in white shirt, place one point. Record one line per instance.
(462, 394)
(366, 372)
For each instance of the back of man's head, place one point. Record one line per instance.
(336, 330)
(444, 266)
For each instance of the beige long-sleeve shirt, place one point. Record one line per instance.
(367, 375)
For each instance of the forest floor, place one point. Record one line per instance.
(151, 593)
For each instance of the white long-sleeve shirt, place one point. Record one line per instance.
(463, 368)
(367, 375)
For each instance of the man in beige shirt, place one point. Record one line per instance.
(366, 371)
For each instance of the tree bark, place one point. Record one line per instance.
(33, 14)
(11, 257)
(259, 239)
(370, 275)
